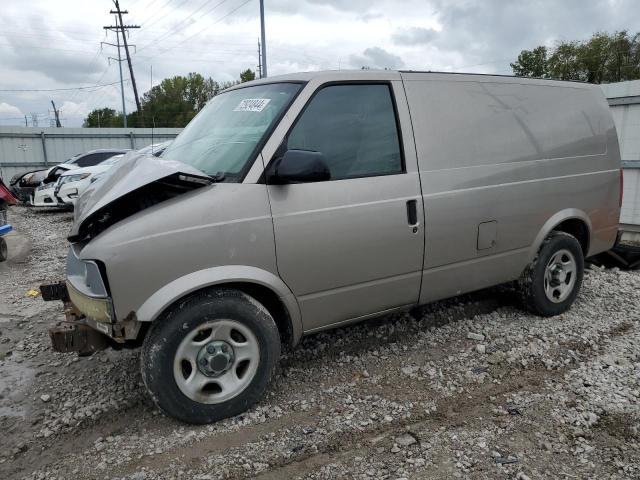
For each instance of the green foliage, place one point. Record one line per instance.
(604, 58)
(531, 63)
(172, 103)
(247, 75)
(103, 118)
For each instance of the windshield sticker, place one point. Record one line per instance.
(252, 105)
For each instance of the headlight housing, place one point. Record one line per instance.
(73, 178)
(97, 177)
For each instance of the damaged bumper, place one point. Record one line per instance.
(77, 333)
(90, 322)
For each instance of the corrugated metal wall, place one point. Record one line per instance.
(624, 100)
(25, 148)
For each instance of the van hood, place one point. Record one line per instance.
(136, 182)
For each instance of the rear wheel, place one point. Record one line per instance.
(551, 283)
(4, 251)
(210, 357)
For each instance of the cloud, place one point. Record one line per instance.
(48, 47)
(376, 57)
(414, 36)
(7, 110)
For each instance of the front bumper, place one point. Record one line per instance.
(99, 309)
(81, 333)
(68, 193)
(45, 198)
(24, 194)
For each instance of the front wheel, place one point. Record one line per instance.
(210, 357)
(551, 283)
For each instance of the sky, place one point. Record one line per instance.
(56, 45)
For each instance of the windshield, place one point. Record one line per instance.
(222, 138)
(72, 159)
(112, 160)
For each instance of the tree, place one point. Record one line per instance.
(247, 75)
(103, 118)
(531, 63)
(172, 103)
(564, 62)
(601, 59)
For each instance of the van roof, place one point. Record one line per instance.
(355, 75)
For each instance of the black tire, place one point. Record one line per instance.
(167, 332)
(532, 282)
(4, 252)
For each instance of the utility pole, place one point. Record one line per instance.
(123, 29)
(57, 114)
(264, 43)
(259, 61)
(26, 124)
(119, 60)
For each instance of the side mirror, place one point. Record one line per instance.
(299, 166)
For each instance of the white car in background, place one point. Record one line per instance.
(72, 184)
(44, 194)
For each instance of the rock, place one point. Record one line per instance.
(406, 439)
(475, 336)
(496, 358)
(481, 349)
(522, 476)
(395, 448)
(409, 370)
(45, 398)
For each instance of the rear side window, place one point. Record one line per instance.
(354, 127)
(94, 159)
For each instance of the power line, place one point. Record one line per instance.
(200, 31)
(182, 22)
(157, 11)
(87, 87)
(163, 16)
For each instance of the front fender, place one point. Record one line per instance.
(178, 288)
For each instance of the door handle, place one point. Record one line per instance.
(412, 214)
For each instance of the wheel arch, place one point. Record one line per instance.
(572, 221)
(260, 284)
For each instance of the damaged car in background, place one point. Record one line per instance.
(379, 191)
(6, 199)
(72, 184)
(25, 185)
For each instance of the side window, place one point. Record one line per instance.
(94, 159)
(88, 160)
(354, 127)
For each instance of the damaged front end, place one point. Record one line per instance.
(91, 321)
(72, 335)
(137, 182)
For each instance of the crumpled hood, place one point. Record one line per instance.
(93, 170)
(132, 173)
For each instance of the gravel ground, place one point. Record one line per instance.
(466, 388)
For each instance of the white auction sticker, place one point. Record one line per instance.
(252, 105)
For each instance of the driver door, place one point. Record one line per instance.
(352, 246)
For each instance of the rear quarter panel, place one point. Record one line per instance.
(514, 151)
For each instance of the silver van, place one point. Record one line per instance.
(304, 202)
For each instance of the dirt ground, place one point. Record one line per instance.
(471, 387)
